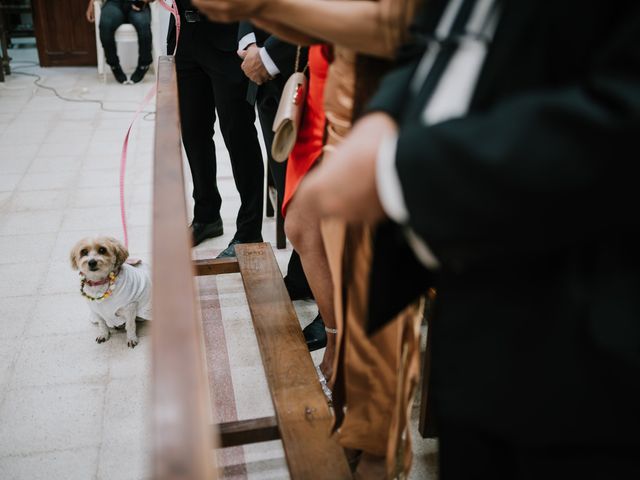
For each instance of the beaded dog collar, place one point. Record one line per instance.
(107, 293)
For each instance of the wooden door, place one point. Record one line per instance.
(63, 34)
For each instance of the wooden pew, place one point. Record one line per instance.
(183, 433)
(182, 439)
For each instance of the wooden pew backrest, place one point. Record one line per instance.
(182, 440)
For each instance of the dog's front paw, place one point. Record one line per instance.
(132, 342)
(102, 337)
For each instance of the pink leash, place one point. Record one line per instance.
(173, 9)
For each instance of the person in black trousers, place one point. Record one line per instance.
(114, 13)
(210, 80)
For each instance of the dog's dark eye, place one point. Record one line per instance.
(84, 252)
(102, 250)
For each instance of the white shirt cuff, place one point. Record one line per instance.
(388, 182)
(247, 40)
(268, 62)
(392, 200)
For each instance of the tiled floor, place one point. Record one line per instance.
(70, 408)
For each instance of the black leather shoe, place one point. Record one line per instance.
(297, 292)
(140, 72)
(230, 251)
(118, 74)
(315, 334)
(202, 231)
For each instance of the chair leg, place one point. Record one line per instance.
(268, 201)
(281, 238)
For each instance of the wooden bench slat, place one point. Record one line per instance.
(216, 266)
(243, 432)
(301, 408)
(182, 440)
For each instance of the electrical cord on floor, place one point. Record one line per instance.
(38, 82)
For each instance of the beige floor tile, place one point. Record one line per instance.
(34, 200)
(74, 464)
(9, 181)
(101, 220)
(62, 314)
(19, 279)
(26, 248)
(47, 181)
(61, 359)
(22, 223)
(41, 419)
(64, 163)
(15, 312)
(16, 165)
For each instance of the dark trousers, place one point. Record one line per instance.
(210, 80)
(115, 13)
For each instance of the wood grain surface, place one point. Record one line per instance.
(182, 440)
(301, 408)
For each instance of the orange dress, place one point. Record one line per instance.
(308, 147)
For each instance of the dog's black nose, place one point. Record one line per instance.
(92, 263)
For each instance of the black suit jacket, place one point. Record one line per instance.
(530, 204)
(223, 36)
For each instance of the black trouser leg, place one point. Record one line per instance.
(197, 117)
(237, 119)
(111, 17)
(142, 23)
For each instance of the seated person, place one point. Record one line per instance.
(115, 13)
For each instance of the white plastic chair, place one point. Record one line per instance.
(126, 33)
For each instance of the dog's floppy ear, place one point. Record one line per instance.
(73, 255)
(119, 250)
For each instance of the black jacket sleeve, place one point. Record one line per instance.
(536, 171)
(283, 55)
(245, 28)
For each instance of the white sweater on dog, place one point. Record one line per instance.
(133, 284)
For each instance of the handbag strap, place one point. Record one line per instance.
(297, 64)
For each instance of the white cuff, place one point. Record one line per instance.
(392, 199)
(388, 182)
(247, 40)
(421, 249)
(268, 62)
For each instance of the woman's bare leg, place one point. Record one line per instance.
(303, 230)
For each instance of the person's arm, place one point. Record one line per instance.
(374, 28)
(90, 14)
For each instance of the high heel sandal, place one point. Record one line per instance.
(325, 388)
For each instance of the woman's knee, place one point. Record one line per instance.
(293, 232)
(301, 229)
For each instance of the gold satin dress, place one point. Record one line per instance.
(375, 376)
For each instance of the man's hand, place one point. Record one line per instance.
(138, 9)
(344, 184)
(91, 15)
(252, 65)
(229, 10)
